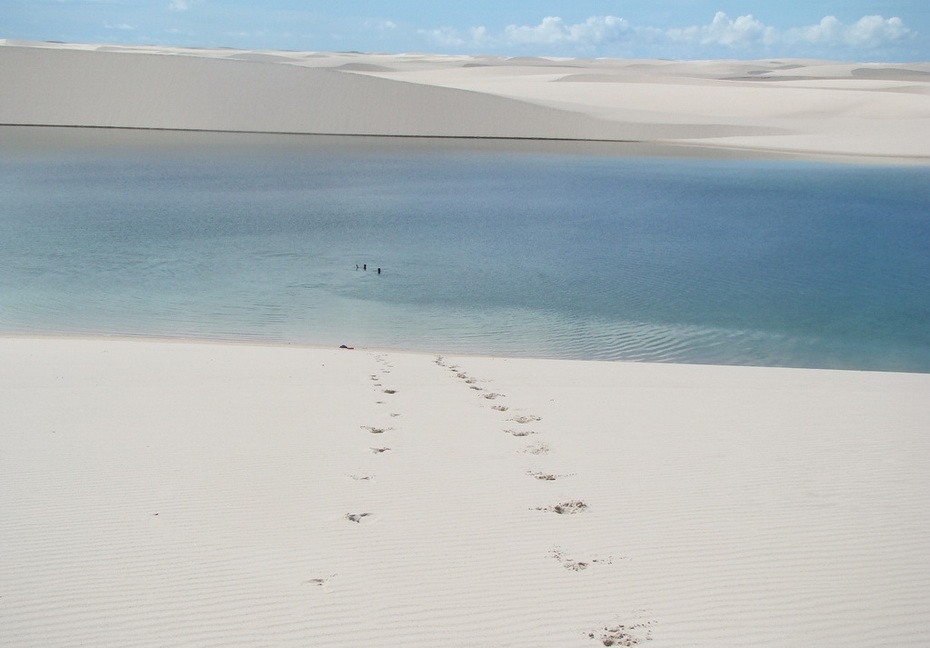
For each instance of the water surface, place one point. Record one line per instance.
(569, 255)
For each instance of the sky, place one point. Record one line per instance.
(850, 30)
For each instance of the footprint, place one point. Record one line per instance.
(379, 450)
(547, 476)
(476, 388)
(542, 476)
(564, 508)
(537, 449)
(526, 419)
(361, 477)
(390, 391)
(500, 408)
(356, 517)
(569, 563)
(623, 635)
(319, 582)
(375, 430)
(520, 433)
(577, 565)
(492, 395)
(394, 414)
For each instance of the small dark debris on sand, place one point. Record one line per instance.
(356, 517)
(565, 508)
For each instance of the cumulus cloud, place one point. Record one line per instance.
(449, 37)
(828, 30)
(553, 30)
(445, 36)
(742, 33)
(875, 31)
(722, 30)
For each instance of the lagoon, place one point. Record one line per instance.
(484, 248)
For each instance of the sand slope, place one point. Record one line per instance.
(194, 494)
(789, 106)
(74, 87)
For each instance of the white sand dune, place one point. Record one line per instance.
(798, 107)
(158, 493)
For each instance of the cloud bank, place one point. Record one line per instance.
(740, 34)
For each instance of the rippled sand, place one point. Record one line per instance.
(198, 494)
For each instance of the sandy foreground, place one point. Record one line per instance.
(193, 494)
(775, 107)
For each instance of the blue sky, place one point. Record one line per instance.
(877, 30)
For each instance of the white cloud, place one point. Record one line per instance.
(480, 35)
(445, 36)
(381, 25)
(828, 30)
(554, 31)
(875, 31)
(741, 33)
(120, 26)
(551, 31)
(869, 32)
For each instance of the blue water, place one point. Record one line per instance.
(529, 253)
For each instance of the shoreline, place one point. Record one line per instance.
(174, 493)
(260, 343)
(551, 146)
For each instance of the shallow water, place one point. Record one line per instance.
(482, 250)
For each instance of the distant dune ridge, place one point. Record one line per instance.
(778, 106)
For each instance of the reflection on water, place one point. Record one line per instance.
(483, 251)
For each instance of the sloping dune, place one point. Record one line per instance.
(169, 494)
(773, 107)
(68, 87)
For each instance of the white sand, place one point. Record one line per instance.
(797, 107)
(173, 494)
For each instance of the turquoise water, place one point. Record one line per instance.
(527, 253)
